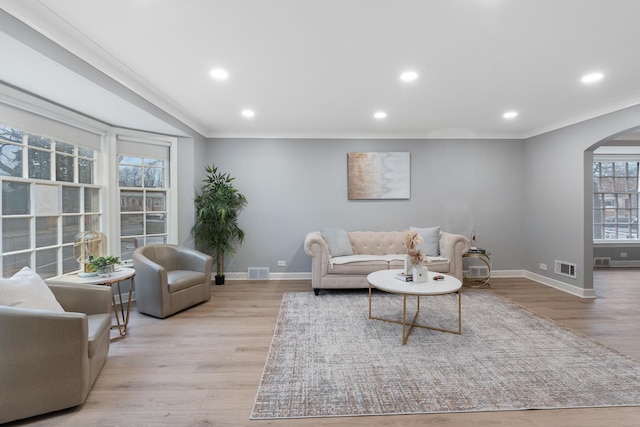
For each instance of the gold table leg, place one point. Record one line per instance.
(122, 318)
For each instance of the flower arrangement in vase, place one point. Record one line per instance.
(415, 257)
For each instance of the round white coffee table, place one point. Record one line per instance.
(385, 280)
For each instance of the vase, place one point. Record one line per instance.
(420, 273)
(408, 267)
(106, 271)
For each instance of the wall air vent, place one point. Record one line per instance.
(566, 269)
(258, 273)
(602, 262)
(478, 272)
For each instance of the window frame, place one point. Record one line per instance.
(616, 210)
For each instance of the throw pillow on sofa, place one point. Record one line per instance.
(26, 289)
(338, 241)
(430, 244)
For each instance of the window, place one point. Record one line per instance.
(615, 199)
(144, 194)
(49, 194)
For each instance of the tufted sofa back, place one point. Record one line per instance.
(377, 242)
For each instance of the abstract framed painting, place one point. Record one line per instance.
(379, 175)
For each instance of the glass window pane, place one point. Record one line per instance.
(606, 169)
(156, 224)
(10, 160)
(64, 168)
(155, 201)
(39, 141)
(91, 200)
(130, 176)
(131, 224)
(126, 160)
(16, 234)
(47, 262)
(39, 164)
(46, 231)
(69, 263)
(15, 198)
(620, 169)
(63, 147)
(154, 240)
(632, 169)
(70, 227)
(85, 152)
(10, 134)
(92, 223)
(154, 177)
(131, 201)
(11, 264)
(70, 200)
(127, 246)
(85, 171)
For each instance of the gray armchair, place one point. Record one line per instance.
(49, 360)
(170, 278)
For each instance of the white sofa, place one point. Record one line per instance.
(376, 250)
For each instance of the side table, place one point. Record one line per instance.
(115, 278)
(485, 257)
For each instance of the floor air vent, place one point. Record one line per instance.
(566, 269)
(602, 262)
(258, 273)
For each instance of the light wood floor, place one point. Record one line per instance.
(202, 367)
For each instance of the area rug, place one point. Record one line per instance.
(327, 358)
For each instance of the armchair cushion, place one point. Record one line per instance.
(26, 289)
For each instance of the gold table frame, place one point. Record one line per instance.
(485, 258)
(406, 291)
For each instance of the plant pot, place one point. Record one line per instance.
(220, 279)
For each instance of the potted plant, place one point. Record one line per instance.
(104, 265)
(216, 224)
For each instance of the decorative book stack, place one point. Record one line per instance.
(404, 277)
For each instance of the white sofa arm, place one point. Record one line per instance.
(453, 246)
(316, 247)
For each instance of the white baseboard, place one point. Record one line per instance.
(624, 263)
(571, 289)
(556, 284)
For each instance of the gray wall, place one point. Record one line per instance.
(192, 158)
(296, 186)
(558, 188)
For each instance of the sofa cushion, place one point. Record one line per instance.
(26, 289)
(430, 244)
(338, 241)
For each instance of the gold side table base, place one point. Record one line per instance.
(405, 333)
(122, 317)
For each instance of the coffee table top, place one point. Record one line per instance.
(386, 280)
(119, 275)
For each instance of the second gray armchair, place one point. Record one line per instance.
(170, 278)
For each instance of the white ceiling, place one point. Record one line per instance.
(321, 68)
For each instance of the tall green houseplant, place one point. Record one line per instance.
(217, 209)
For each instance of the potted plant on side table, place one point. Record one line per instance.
(216, 224)
(104, 265)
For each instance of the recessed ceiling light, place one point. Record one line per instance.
(592, 78)
(510, 115)
(380, 115)
(408, 76)
(219, 74)
(248, 113)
